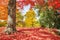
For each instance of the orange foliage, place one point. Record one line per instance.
(4, 4)
(3, 9)
(3, 12)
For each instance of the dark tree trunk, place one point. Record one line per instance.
(11, 28)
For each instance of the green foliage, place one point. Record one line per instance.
(4, 23)
(19, 16)
(57, 21)
(19, 19)
(47, 17)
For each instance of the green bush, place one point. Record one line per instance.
(3, 23)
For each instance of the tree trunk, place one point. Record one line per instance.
(11, 28)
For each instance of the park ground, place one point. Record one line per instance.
(29, 34)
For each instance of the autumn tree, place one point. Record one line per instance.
(12, 10)
(11, 27)
(30, 18)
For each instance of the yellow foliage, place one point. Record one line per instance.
(30, 18)
(19, 19)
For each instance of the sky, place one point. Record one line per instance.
(25, 9)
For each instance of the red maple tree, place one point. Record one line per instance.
(54, 3)
(21, 3)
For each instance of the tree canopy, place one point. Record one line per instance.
(22, 3)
